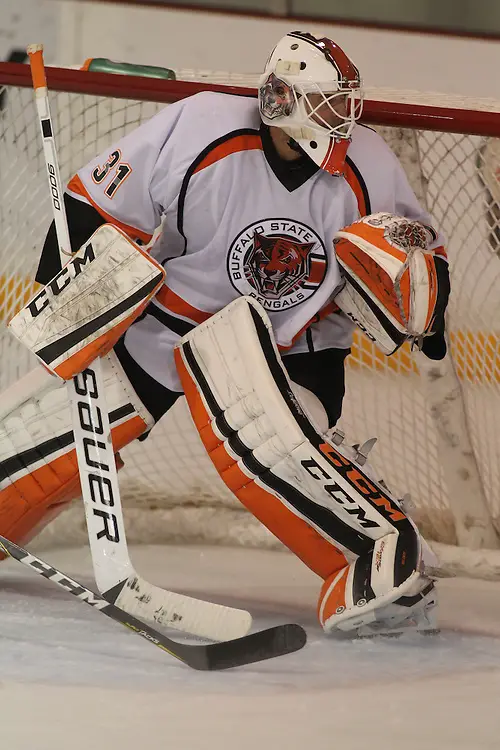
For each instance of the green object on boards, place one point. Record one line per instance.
(103, 65)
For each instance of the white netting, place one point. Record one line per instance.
(454, 176)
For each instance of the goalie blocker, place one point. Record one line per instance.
(89, 304)
(308, 491)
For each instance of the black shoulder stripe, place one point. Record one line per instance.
(191, 169)
(362, 185)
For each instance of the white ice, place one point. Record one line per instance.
(71, 678)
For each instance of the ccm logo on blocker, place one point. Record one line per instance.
(61, 281)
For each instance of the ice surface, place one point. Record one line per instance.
(72, 679)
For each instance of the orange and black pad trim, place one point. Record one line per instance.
(35, 496)
(289, 514)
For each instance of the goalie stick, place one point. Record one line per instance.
(115, 576)
(265, 644)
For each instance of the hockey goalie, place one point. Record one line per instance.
(284, 224)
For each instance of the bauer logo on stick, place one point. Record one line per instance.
(97, 470)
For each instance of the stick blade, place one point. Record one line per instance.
(265, 644)
(195, 616)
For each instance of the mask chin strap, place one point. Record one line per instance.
(331, 153)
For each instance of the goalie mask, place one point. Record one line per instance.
(391, 285)
(312, 91)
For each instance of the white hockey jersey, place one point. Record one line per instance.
(237, 220)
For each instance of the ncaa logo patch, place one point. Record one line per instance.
(279, 262)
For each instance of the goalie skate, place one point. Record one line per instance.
(406, 615)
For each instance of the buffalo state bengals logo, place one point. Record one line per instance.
(279, 262)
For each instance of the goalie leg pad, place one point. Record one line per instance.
(83, 311)
(38, 466)
(286, 523)
(270, 454)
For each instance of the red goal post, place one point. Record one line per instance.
(436, 423)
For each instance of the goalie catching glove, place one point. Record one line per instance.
(392, 289)
(311, 493)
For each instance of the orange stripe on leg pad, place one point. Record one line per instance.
(32, 501)
(316, 552)
(332, 598)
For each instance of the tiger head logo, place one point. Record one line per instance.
(275, 266)
(278, 261)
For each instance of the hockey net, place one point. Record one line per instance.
(436, 423)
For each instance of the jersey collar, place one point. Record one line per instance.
(291, 174)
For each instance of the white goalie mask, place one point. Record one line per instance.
(312, 91)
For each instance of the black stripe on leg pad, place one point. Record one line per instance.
(353, 474)
(406, 557)
(25, 460)
(323, 518)
(362, 591)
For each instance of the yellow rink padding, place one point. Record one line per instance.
(15, 292)
(476, 354)
(365, 355)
